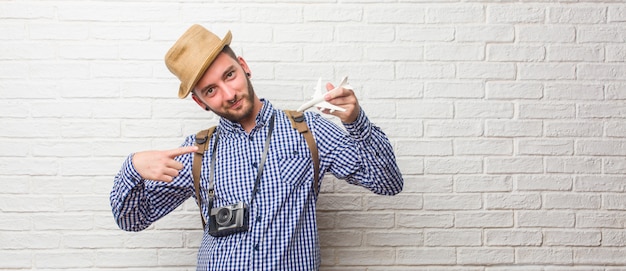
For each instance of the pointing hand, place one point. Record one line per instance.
(160, 165)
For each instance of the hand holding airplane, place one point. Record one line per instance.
(318, 97)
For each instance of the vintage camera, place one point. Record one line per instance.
(228, 219)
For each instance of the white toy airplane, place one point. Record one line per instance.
(318, 97)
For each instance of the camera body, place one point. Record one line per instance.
(228, 219)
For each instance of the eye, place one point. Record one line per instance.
(230, 74)
(208, 91)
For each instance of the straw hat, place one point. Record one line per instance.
(192, 54)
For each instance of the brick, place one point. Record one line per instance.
(577, 15)
(521, 53)
(486, 70)
(456, 14)
(485, 33)
(513, 238)
(64, 259)
(396, 238)
(425, 33)
(547, 71)
(425, 147)
(574, 92)
(507, 201)
(613, 256)
(483, 183)
(425, 109)
(572, 128)
(373, 33)
(573, 165)
(545, 147)
(456, 90)
(513, 165)
(483, 146)
(547, 111)
(365, 257)
(394, 14)
(427, 184)
(484, 110)
(453, 128)
(571, 201)
(453, 165)
(426, 256)
(544, 255)
(563, 53)
(177, 257)
(321, 13)
(592, 71)
(18, 259)
(572, 238)
(614, 165)
(339, 203)
(600, 33)
(425, 220)
(485, 256)
(397, 202)
(543, 183)
(510, 90)
(445, 238)
(558, 219)
(454, 52)
(515, 14)
(515, 128)
(601, 147)
(487, 219)
(599, 184)
(599, 219)
(452, 202)
(126, 258)
(334, 238)
(614, 202)
(546, 33)
(612, 237)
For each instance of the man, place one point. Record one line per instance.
(255, 158)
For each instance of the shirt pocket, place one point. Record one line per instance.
(295, 171)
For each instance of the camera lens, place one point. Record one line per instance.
(223, 217)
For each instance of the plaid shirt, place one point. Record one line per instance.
(283, 228)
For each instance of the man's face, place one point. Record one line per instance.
(226, 89)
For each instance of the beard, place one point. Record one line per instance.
(246, 112)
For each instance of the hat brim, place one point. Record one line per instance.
(185, 89)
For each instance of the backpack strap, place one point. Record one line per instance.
(202, 141)
(298, 122)
(203, 137)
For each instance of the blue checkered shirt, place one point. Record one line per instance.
(283, 228)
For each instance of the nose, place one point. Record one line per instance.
(228, 93)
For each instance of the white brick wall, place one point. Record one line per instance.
(508, 119)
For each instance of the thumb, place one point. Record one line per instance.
(182, 150)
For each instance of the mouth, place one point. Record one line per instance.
(236, 104)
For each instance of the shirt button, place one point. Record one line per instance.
(254, 164)
(256, 247)
(258, 219)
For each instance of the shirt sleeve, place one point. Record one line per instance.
(137, 203)
(361, 155)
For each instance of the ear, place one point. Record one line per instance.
(244, 66)
(200, 102)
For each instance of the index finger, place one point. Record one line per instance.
(182, 150)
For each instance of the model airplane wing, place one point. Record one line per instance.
(318, 97)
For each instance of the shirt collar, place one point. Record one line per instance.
(261, 119)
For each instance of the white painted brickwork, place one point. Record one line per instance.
(508, 119)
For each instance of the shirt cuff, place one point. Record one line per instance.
(131, 176)
(361, 128)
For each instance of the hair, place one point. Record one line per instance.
(229, 51)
